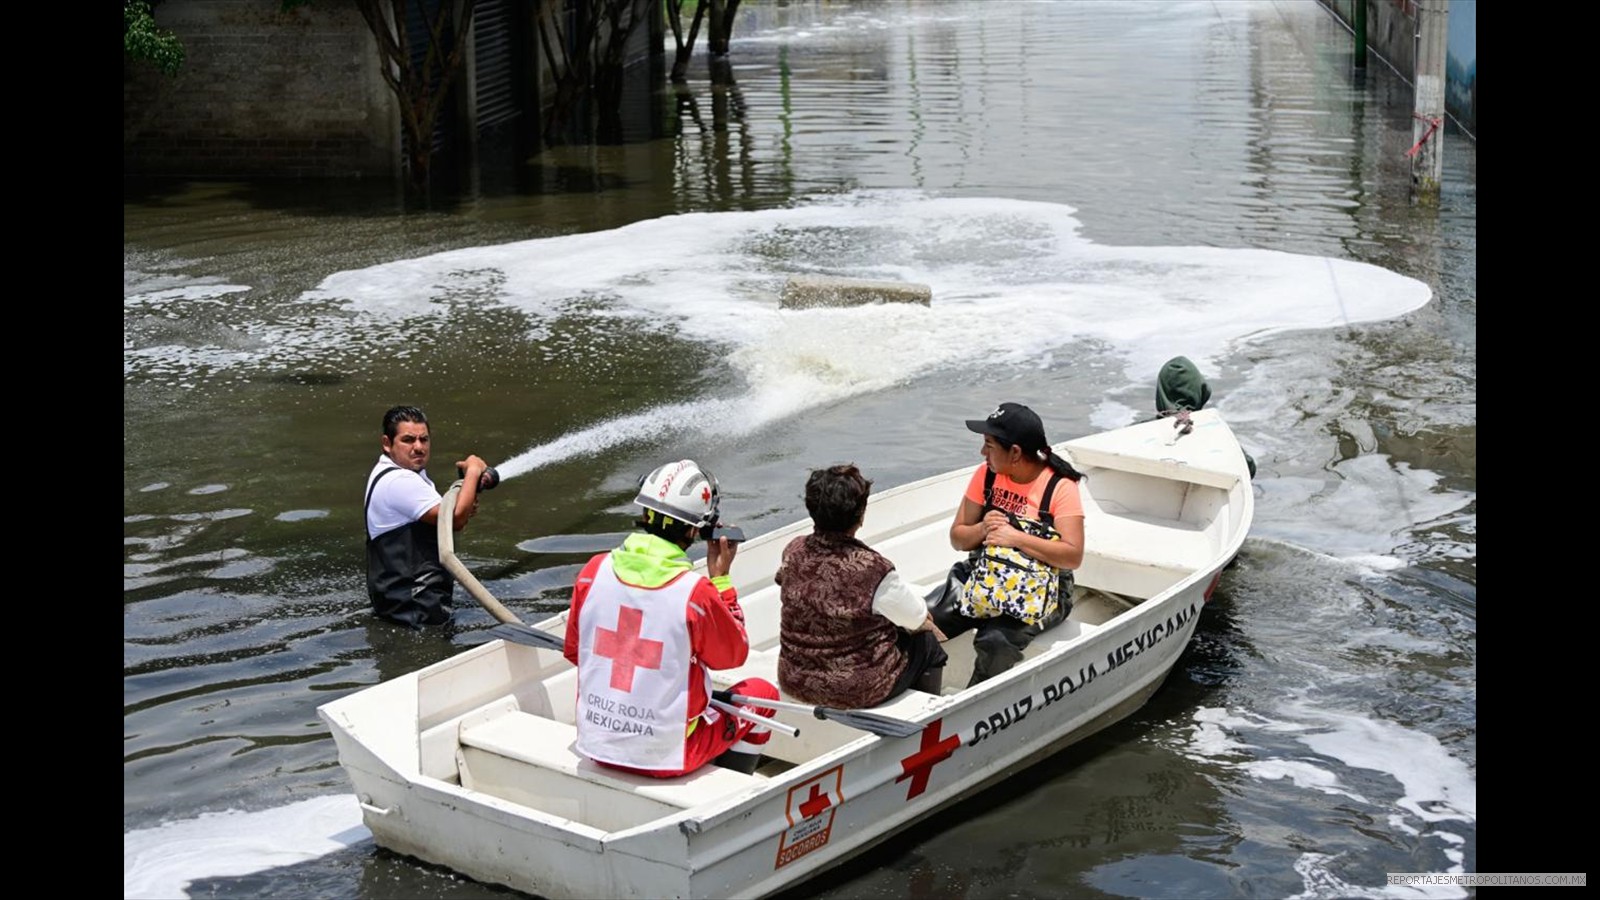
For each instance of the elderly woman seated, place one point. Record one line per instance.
(852, 633)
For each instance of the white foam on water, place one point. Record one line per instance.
(991, 263)
(1435, 787)
(1302, 774)
(1216, 733)
(1013, 282)
(161, 862)
(1110, 414)
(1344, 524)
(1360, 563)
(1438, 787)
(183, 293)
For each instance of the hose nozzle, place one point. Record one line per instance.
(489, 479)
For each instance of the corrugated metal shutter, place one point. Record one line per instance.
(496, 100)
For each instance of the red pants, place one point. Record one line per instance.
(729, 732)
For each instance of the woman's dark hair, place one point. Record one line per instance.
(1044, 454)
(1060, 465)
(836, 497)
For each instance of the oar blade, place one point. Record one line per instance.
(866, 721)
(532, 637)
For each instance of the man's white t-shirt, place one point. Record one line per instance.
(399, 499)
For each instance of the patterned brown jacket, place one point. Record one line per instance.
(835, 651)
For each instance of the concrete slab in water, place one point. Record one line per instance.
(807, 291)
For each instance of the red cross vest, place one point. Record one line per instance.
(634, 665)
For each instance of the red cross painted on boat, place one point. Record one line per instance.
(816, 803)
(933, 751)
(626, 650)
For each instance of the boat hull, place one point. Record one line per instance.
(867, 790)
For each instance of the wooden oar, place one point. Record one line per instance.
(886, 726)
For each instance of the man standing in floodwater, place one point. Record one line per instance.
(406, 581)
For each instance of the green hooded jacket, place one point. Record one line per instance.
(650, 561)
(1181, 386)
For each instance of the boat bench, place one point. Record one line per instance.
(817, 736)
(1215, 464)
(531, 760)
(1162, 543)
(759, 664)
(1162, 551)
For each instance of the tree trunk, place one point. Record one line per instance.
(621, 20)
(680, 61)
(589, 79)
(420, 88)
(722, 13)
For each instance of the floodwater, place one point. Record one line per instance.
(1089, 188)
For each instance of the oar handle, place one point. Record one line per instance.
(743, 713)
(730, 697)
(879, 724)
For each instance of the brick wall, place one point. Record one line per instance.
(261, 93)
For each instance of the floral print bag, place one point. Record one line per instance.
(1007, 582)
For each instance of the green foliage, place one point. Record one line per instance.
(141, 39)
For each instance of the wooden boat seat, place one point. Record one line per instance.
(1161, 543)
(1138, 553)
(759, 664)
(761, 611)
(436, 746)
(764, 664)
(1209, 455)
(531, 759)
(817, 736)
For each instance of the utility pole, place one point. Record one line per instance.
(1427, 123)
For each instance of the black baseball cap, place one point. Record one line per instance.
(1012, 423)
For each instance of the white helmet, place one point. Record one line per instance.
(681, 490)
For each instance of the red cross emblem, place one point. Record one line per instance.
(808, 815)
(626, 650)
(816, 803)
(933, 751)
